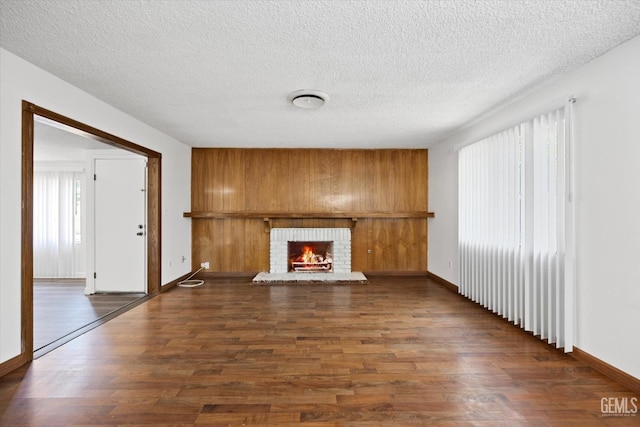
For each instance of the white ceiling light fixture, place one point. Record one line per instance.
(308, 99)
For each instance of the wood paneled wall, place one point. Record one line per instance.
(304, 181)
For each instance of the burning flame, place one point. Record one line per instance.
(309, 256)
(308, 260)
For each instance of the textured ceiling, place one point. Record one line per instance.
(398, 73)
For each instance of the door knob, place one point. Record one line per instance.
(139, 233)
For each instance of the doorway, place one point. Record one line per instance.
(30, 113)
(66, 206)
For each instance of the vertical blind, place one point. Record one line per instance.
(515, 225)
(56, 249)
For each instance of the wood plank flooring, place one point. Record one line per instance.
(60, 307)
(396, 351)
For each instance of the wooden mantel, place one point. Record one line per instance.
(267, 216)
(299, 215)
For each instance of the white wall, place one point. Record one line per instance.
(19, 81)
(607, 199)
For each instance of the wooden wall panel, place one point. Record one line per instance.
(304, 181)
(360, 241)
(379, 174)
(353, 189)
(257, 247)
(262, 180)
(232, 171)
(414, 169)
(295, 192)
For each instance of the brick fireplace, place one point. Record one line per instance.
(339, 238)
(333, 246)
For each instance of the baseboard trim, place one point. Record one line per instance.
(395, 273)
(252, 274)
(447, 284)
(606, 369)
(175, 282)
(225, 274)
(13, 364)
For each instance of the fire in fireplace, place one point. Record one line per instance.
(310, 256)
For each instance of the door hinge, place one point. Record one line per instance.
(95, 276)
(95, 177)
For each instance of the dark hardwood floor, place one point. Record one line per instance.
(60, 308)
(396, 351)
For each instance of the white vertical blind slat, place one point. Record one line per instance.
(513, 189)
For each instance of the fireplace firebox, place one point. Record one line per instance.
(310, 257)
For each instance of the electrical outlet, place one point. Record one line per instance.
(205, 265)
(450, 264)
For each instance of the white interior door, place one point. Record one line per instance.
(120, 226)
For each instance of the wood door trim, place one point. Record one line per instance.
(87, 131)
(154, 190)
(26, 250)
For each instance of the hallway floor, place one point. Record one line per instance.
(60, 307)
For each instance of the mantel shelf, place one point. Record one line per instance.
(303, 215)
(268, 216)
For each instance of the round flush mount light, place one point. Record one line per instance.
(308, 99)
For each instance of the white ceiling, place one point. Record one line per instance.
(53, 143)
(398, 73)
